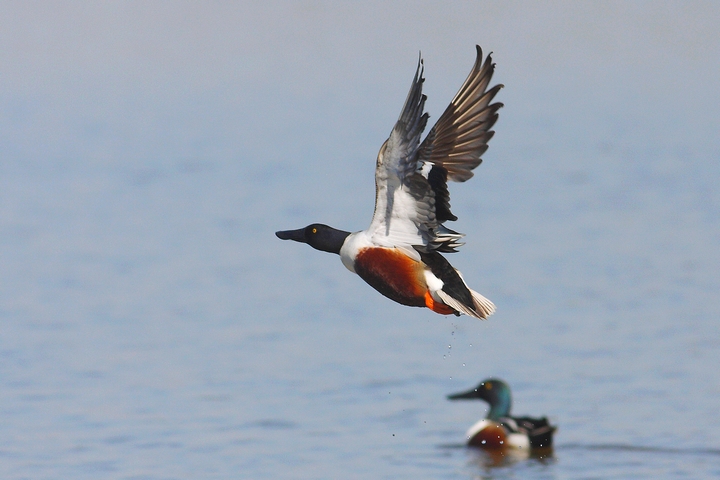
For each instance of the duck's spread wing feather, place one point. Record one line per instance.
(461, 134)
(411, 199)
(460, 137)
(404, 204)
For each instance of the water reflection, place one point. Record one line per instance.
(504, 457)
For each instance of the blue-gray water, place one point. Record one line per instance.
(152, 326)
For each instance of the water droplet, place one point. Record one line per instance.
(463, 364)
(471, 344)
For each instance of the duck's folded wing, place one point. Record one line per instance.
(538, 430)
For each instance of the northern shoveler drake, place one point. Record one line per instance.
(498, 429)
(399, 254)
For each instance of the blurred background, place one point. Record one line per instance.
(152, 326)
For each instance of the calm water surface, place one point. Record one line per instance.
(152, 326)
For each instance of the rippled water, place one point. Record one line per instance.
(153, 327)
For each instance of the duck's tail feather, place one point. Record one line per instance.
(481, 309)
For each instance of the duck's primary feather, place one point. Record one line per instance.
(460, 136)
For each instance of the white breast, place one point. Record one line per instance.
(351, 246)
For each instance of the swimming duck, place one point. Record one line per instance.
(498, 429)
(400, 253)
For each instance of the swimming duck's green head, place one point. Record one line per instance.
(495, 392)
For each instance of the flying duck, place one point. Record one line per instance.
(498, 429)
(400, 253)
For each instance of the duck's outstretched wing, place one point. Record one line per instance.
(404, 202)
(411, 196)
(461, 135)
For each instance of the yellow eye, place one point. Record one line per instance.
(314, 230)
(488, 386)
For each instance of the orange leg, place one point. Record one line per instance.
(437, 307)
